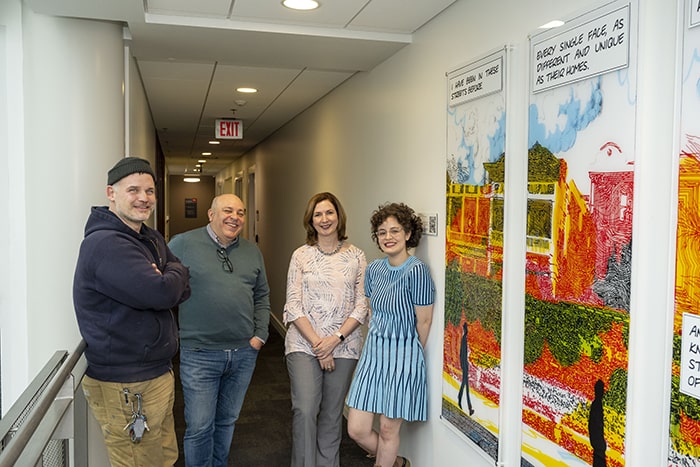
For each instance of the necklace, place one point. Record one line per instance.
(330, 253)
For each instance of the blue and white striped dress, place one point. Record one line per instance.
(390, 377)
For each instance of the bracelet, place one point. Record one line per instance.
(340, 336)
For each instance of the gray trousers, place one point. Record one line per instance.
(318, 398)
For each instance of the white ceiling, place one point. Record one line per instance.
(193, 54)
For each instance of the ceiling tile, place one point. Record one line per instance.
(331, 14)
(399, 16)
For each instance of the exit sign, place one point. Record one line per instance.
(229, 128)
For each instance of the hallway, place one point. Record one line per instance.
(263, 436)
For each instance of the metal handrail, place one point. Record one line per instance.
(33, 432)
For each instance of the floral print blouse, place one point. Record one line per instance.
(326, 289)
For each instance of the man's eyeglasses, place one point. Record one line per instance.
(225, 262)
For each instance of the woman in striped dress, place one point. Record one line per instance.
(390, 378)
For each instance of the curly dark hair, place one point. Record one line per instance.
(311, 234)
(404, 215)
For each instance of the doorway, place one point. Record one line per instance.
(253, 215)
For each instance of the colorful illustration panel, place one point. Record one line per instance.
(684, 441)
(476, 117)
(579, 236)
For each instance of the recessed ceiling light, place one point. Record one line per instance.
(301, 4)
(247, 90)
(552, 24)
(202, 161)
(214, 142)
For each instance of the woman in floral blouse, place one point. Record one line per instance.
(325, 306)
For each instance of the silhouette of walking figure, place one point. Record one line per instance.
(595, 426)
(464, 363)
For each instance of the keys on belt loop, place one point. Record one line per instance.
(138, 425)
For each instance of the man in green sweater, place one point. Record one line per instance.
(223, 325)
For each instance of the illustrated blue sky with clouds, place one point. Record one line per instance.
(590, 124)
(690, 120)
(476, 134)
(579, 122)
(574, 115)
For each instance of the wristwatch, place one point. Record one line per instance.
(340, 336)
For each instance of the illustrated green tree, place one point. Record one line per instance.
(483, 302)
(474, 297)
(569, 329)
(454, 294)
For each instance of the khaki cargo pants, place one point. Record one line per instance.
(159, 445)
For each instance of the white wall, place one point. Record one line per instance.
(381, 137)
(13, 298)
(73, 134)
(66, 129)
(141, 134)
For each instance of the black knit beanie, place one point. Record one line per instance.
(128, 166)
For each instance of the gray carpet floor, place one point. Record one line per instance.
(263, 435)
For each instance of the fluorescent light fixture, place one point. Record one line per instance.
(301, 4)
(190, 179)
(202, 161)
(552, 24)
(206, 154)
(247, 90)
(214, 142)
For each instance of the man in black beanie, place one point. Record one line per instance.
(126, 283)
(128, 166)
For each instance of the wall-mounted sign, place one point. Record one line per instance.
(694, 12)
(229, 128)
(476, 82)
(690, 356)
(190, 208)
(593, 48)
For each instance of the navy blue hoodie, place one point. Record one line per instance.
(122, 304)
